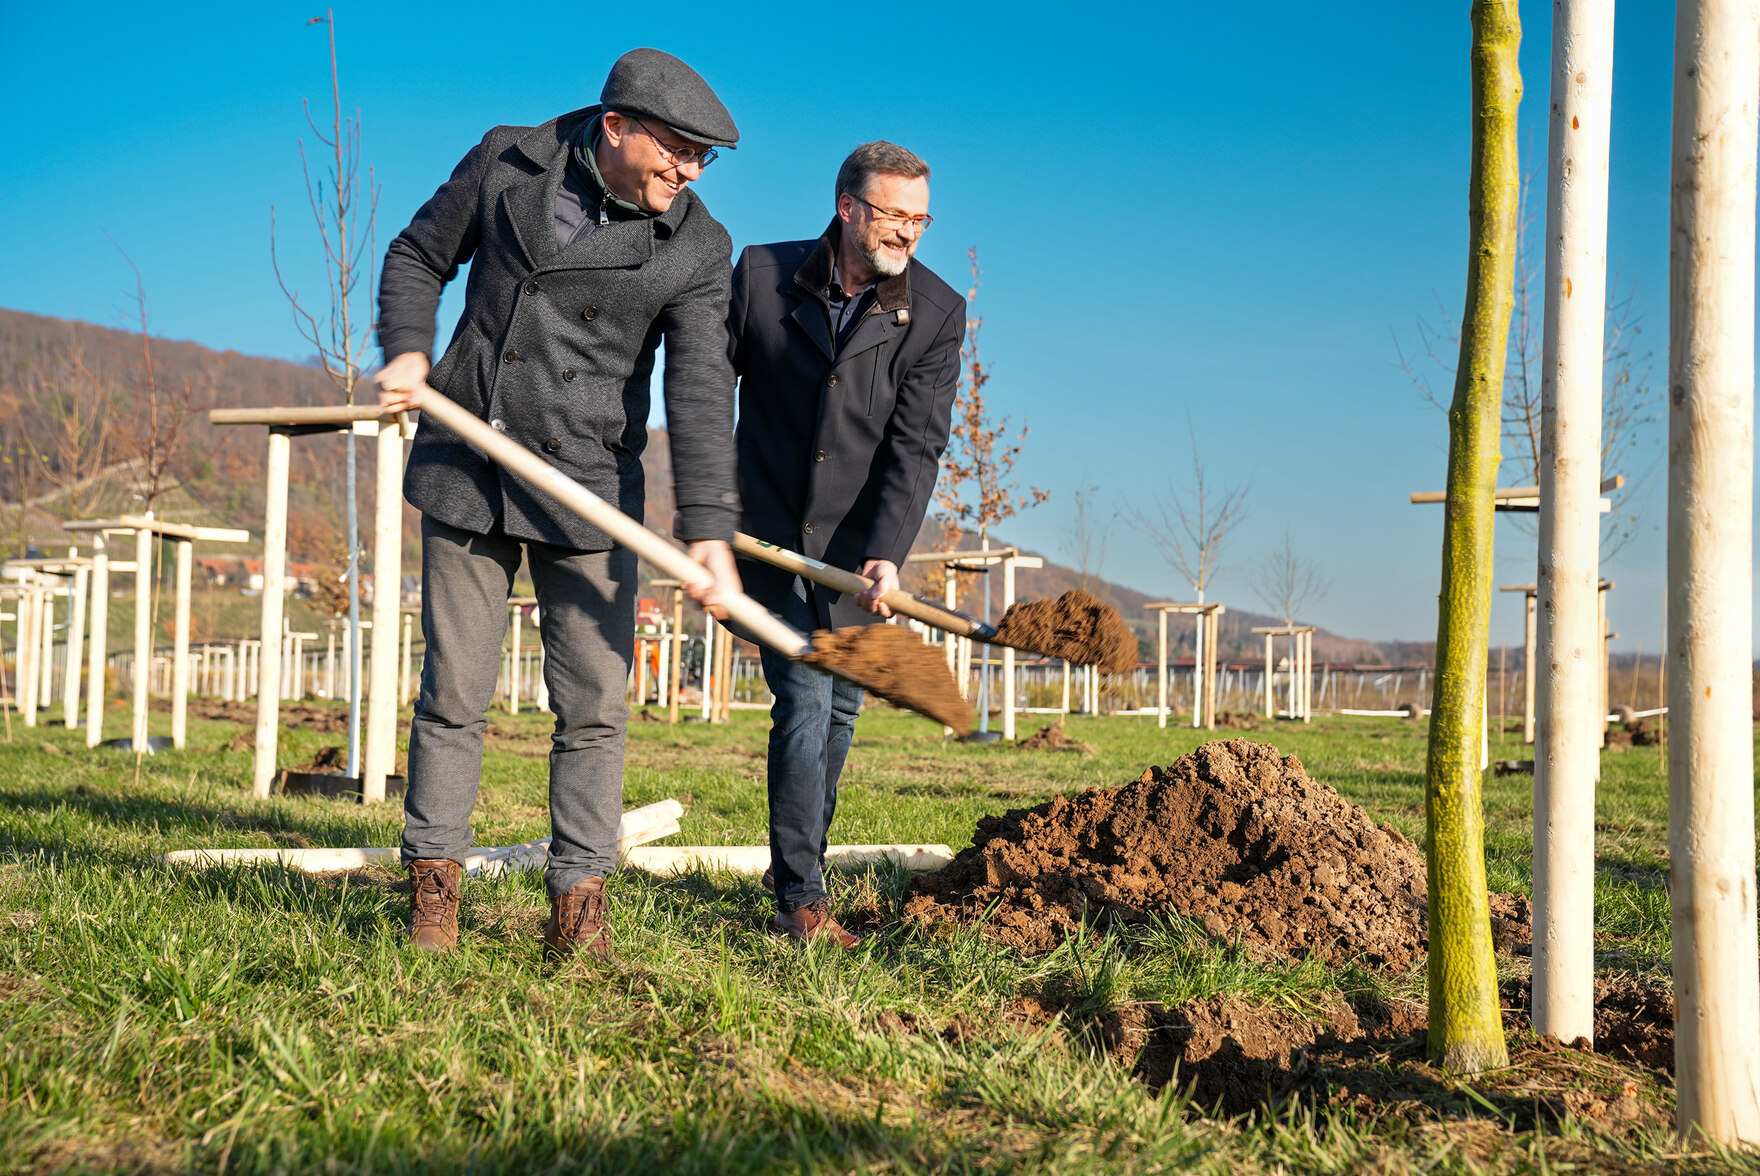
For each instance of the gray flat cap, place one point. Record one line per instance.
(660, 86)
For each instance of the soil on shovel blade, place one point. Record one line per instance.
(1076, 627)
(894, 663)
(1234, 835)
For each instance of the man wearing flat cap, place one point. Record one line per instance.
(587, 250)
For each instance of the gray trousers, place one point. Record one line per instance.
(586, 603)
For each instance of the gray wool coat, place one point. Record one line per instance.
(556, 347)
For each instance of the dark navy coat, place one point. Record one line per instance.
(839, 445)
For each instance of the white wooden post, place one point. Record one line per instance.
(382, 700)
(46, 636)
(269, 648)
(1530, 659)
(1268, 654)
(1198, 669)
(99, 644)
(1710, 568)
(143, 635)
(1066, 687)
(25, 659)
(76, 622)
(1007, 652)
(1161, 670)
(180, 644)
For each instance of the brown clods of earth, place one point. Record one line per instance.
(1240, 1058)
(1237, 721)
(894, 663)
(1076, 627)
(1234, 835)
(1052, 737)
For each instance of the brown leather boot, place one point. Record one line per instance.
(577, 923)
(433, 918)
(812, 923)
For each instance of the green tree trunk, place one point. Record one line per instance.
(1466, 1030)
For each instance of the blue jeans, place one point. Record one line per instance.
(811, 724)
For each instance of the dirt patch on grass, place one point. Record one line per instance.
(1236, 1057)
(330, 720)
(1052, 737)
(1239, 1058)
(1234, 835)
(1077, 627)
(894, 663)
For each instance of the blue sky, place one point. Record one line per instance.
(1179, 209)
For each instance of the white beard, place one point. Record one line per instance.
(885, 264)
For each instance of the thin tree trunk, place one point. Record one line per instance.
(1466, 1030)
(1710, 568)
(1568, 718)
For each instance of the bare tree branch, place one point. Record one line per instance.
(1190, 524)
(1288, 582)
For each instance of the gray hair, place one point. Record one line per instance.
(878, 158)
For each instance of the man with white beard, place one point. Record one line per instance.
(847, 352)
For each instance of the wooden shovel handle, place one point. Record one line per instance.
(851, 584)
(754, 618)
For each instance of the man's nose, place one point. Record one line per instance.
(691, 172)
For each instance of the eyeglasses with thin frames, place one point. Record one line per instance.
(679, 156)
(897, 220)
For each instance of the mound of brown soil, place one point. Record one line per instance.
(1052, 737)
(1237, 721)
(1234, 835)
(894, 663)
(1076, 627)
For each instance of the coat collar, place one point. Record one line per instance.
(890, 311)
(531, 206)
(891, 294)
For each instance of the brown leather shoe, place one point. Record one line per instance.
(812, 923)
(577, 923)
(433, 917)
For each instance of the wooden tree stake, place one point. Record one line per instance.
(1710, 568)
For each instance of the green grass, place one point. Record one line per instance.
(253, 1020)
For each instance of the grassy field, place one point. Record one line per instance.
(158, 1019)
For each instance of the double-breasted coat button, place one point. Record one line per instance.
(808, 528)
(553, 446)
(819, 456)
(568, 373)
(510, 357)
(499, 425)
(531, 287)
(590, 313)
(832, 382)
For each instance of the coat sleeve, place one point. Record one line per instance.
(698, 386)
(915, 438)
(427, 255)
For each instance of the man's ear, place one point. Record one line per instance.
(846, 207)
(613, 126)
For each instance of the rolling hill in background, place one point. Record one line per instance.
(53, 371)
